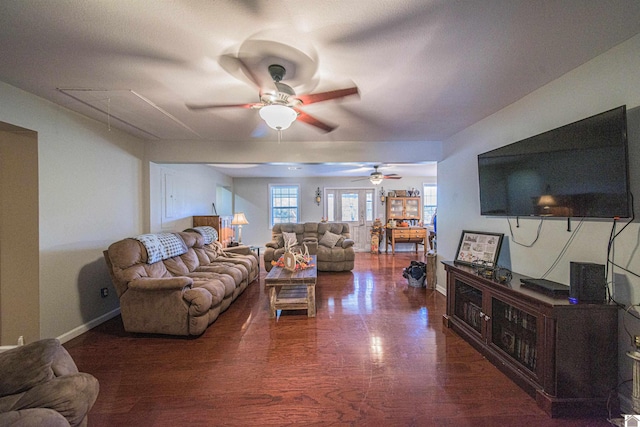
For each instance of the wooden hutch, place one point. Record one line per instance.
(405, 209)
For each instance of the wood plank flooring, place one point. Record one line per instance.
(376, 354)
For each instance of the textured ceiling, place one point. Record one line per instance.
(425, 69)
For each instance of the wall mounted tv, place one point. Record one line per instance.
(577, 170)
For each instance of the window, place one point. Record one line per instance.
(430, 202)
(284, 203)
(331, 207)
(349, 207)
(369, 206)
(350, 204)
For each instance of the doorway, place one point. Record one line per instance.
(354, 206)
(19, 235)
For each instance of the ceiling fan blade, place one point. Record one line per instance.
(325, 96)
(310, 120)
(210, 106)
(392, 176)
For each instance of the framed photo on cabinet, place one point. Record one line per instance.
(479, 247)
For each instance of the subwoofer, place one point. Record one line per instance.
(587, 283)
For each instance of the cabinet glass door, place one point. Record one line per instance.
(469, 305)
(395, 208)
(514, 332)
(412, 208)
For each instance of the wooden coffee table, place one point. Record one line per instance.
(292, 290)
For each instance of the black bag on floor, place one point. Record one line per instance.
(415, 273)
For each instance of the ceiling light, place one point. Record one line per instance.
(376, 178)
(278, 117)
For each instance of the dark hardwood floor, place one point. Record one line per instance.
(377, 354)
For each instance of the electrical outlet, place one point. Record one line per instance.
(104, 292)
(636, 341)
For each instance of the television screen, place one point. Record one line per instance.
(577, 170)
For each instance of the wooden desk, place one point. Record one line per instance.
(406, 235)
(297, 289)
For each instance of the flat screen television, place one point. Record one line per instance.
(577, 170)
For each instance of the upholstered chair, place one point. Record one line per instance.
(40, 386)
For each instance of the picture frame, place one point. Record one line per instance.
(479, 246)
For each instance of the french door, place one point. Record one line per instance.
(355, 207)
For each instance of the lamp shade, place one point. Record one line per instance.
(239, 219)
(375, 180)
(278, 117)
(546, 200)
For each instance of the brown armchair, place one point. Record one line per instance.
(40, 386)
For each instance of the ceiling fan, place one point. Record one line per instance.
(377, 177)
(281, 107)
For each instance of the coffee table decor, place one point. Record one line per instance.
(294, 261)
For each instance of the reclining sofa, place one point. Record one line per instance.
(40, 386)
(177, 283)
(329, 241)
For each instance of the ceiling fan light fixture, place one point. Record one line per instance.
(278, 117)
(376, 179)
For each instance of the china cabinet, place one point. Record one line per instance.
(404, 208)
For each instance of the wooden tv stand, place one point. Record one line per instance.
(564, 355)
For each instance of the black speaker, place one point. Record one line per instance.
(587, 283)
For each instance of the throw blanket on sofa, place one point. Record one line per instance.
(219, 250)
(209, 233)
(161, 246)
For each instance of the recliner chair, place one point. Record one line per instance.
(40, 386)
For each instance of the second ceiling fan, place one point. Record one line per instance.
(281, 107)
(377, 177)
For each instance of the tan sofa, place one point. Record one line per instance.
(180, 286)
(40, 386)
(329, 241)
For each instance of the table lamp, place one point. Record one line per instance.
(239, 219)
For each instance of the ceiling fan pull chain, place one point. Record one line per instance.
(109, 114)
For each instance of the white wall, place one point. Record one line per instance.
(270, 151)
(195, 189)
(90, 193)
(251, 196)
(608, 81)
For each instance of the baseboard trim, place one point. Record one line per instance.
(76, 332)
(441, 289)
